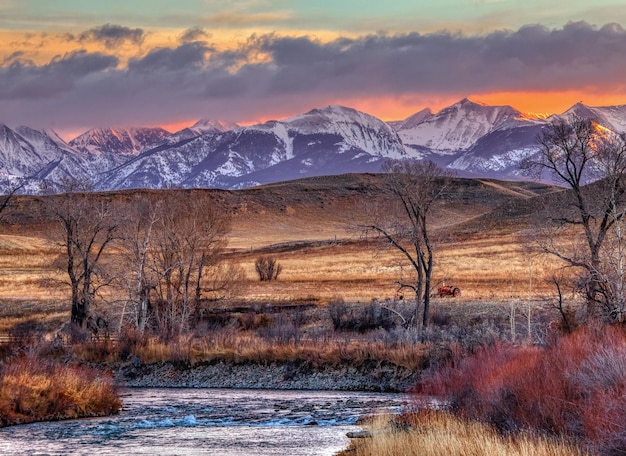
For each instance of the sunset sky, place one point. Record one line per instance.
(75, 64)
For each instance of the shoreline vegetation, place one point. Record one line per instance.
(565, 396)
(440, 433)
(33, 388)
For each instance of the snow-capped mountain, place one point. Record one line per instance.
(611, 117)
(455, 128)
(202, 127)
(331, 140)
(468, 137)
(125, 141)
(35, 156)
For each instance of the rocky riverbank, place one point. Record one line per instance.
(289, 376)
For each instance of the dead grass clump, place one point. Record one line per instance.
(154, 350)
(574, 388)
(32, 389)
(437, 433)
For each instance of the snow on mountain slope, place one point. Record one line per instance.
(160, 167)
(202, 127)
(612, 117)
(411, 121)
(468, 137)
(455, 128)
(305, 142)
(358, 130)
(500, 152)
(38, 158)
(615, 117)
(123, 141)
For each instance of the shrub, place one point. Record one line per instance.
(574, 388)
(32, 389)
(267, 268)
(360, 317)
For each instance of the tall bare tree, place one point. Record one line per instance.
(415, 186)
(87, 229)
(136, 251)
(590, 161)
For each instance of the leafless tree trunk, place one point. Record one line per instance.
(88, 229)
(6, 199)
(137, 237)
(415, 187)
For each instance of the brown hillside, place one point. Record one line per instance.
(309, 225)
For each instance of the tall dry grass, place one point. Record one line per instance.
(247, 347)
(35, 389)
(436, 433)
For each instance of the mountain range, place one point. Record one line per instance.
(470, 138)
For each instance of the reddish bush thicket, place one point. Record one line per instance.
(574, 388)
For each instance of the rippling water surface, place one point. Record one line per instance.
(208, 421)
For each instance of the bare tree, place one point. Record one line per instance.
(184, 259)
(87, 228)
(415, 187)
(137, 236)
(13, 189)
(590, 161)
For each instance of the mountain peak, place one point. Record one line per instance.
(333, 110)
(467, 101)
(331, 114)
(581, 110)
(213, 126)
(119, 140)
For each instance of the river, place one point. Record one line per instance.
(220, 422)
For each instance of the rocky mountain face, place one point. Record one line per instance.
(121, 141)
(467, 137)
(332, 140)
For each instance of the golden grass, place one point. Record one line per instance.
(35, 390)
(230, 346)
(438, 433)
(495, 269)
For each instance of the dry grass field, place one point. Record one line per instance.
(312, 227)
(437, 433)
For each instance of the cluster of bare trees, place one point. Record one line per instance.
(166, 254)
(87, 230)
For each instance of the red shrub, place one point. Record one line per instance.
(576, 387)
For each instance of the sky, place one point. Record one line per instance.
(72, 65)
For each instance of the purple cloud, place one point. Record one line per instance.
(269, 73)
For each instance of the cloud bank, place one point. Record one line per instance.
(272, 72)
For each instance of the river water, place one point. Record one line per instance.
(209, 422)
